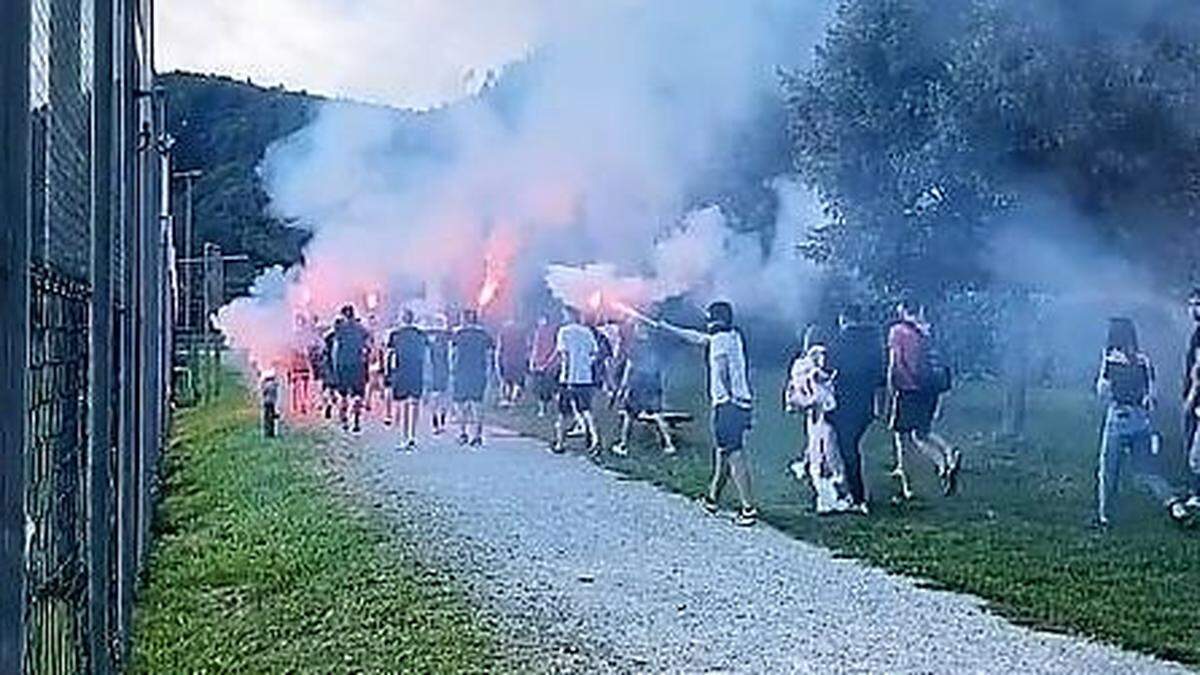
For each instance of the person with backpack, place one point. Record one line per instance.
(1126, 385)
(917, 381)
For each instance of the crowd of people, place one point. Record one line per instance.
(840, 384)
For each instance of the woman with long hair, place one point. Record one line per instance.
(1126, 385)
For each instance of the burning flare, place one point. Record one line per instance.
(487, 294)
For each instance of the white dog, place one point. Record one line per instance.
(810, 390)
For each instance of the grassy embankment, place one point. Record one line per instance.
(1018, 535)
(259, 567)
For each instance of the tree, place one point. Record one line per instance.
(925, 125)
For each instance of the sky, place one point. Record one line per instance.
(435, 50)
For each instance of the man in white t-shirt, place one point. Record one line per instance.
(577, 349)
(732, 401)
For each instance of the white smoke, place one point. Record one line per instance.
(590, 157)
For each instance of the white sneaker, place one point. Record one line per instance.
(1179, 511)
(620, 449)
(746, 517)
(799, 469)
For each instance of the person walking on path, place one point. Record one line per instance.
(577, 351)
(407, 347)
(732, 402)
(543, 363)
(512, 362)
(640, 391)
(470, 346)
(439, 373)
(299, 367)
(1126, 386)
(856, 355)
(917, 383)
(351, 345)
(328, 375)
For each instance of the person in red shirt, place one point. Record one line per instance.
(512, 362)
(299, 369)
(543, 363)
(915, 396)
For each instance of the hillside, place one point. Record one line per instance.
(222, 126)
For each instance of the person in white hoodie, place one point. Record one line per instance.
(810, 391)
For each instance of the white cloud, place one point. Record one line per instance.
(431, 50)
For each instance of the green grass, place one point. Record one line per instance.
(1018, 535)
(259, 567)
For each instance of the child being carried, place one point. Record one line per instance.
(810, 391)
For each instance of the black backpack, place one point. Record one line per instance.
(937, 376)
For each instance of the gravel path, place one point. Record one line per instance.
(593, 573)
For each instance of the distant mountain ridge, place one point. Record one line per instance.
(222, 127)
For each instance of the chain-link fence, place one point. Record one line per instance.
(86, 304)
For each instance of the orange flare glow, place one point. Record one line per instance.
(487, 294)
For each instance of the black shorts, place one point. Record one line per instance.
(439, 382)
(574, 398)
(512, 373)
(913, 411)
(545, 385)
(730, 422)
(407, 387)
(469, 389)
(643, 397)
(352, 380)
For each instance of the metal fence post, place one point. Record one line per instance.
(14, 313)
(100, 485)
(126, 492)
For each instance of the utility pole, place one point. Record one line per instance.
(185, 277)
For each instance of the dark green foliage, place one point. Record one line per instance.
(223, 127)
(927, 124)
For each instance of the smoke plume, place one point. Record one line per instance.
(586, 147)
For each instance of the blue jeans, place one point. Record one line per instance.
(1127, 435)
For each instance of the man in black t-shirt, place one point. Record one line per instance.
(469, 365)
(351, 343)
(856, 354)
(407, 346)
